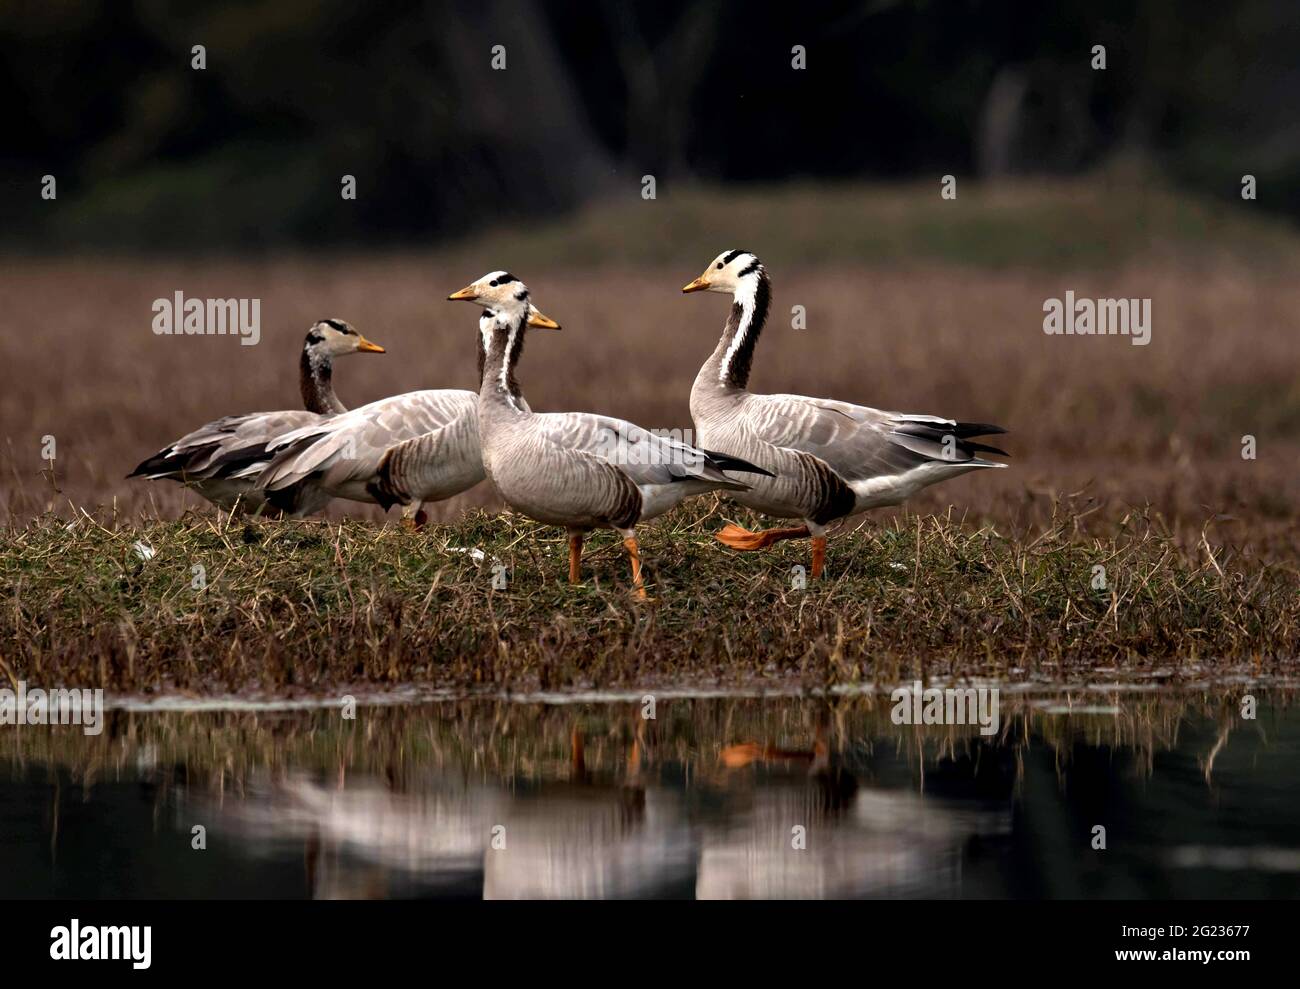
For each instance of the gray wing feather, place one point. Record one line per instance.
(645, 457)
(855, 441)
(352, 445)
(219, 447)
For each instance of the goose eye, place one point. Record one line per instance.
(493, 283)
(719, 265)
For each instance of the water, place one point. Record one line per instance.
(718, 797)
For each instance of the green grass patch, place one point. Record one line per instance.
(234, 605)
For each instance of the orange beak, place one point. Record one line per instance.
(467, 294)
(536, 319)
(366, 347)
(699, 285)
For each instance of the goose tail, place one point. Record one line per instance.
(968, 429)
(167, 462)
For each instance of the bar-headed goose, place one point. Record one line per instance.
(576, 469)
(830, 459)
(405, 450)
(217, 459)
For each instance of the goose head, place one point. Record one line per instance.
(488, 320)
(733, 272)
(505, 298)
(332, 338)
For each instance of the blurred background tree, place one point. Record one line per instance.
(152, 154)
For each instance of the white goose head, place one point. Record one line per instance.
(506, 310)
(743, 276)
(734, 272)
(505, 299)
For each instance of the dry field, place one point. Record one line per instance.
(1101, 431)
(1123, 425)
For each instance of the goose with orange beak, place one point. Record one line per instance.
(410, 450)
(828, 460)
(578, 470)
(220, 459)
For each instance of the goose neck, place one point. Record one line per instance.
(729, 366)
(498, 385)
(316, 381)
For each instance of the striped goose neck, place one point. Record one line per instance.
(735, 352)
(316, 382)
(502, 357)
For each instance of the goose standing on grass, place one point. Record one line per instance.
(213, 459)
(406, 450)
(576, 469)
(830, 460)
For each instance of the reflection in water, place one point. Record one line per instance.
(592, 836)
(712, 799)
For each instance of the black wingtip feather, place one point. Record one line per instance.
(237, 459)
(965, 429)
(725, 462)
(160, 464)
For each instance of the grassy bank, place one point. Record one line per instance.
(314, 605)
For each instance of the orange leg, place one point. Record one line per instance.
(736, 756)
(575, 557)
(635, 553)
(744, 540)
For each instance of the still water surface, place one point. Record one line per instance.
(713, 798)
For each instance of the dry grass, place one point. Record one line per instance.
(1160, 424)
(317, 605)
(1101, 430)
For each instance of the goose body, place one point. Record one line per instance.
(220, 460)
(829, 460)
(562, 468)
(403, 450)
(579, 470)
(406, 450)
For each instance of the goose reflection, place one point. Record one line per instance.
(594, 837)
(810, 830)
(470, 798)
(370, 838)
(608, 815)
